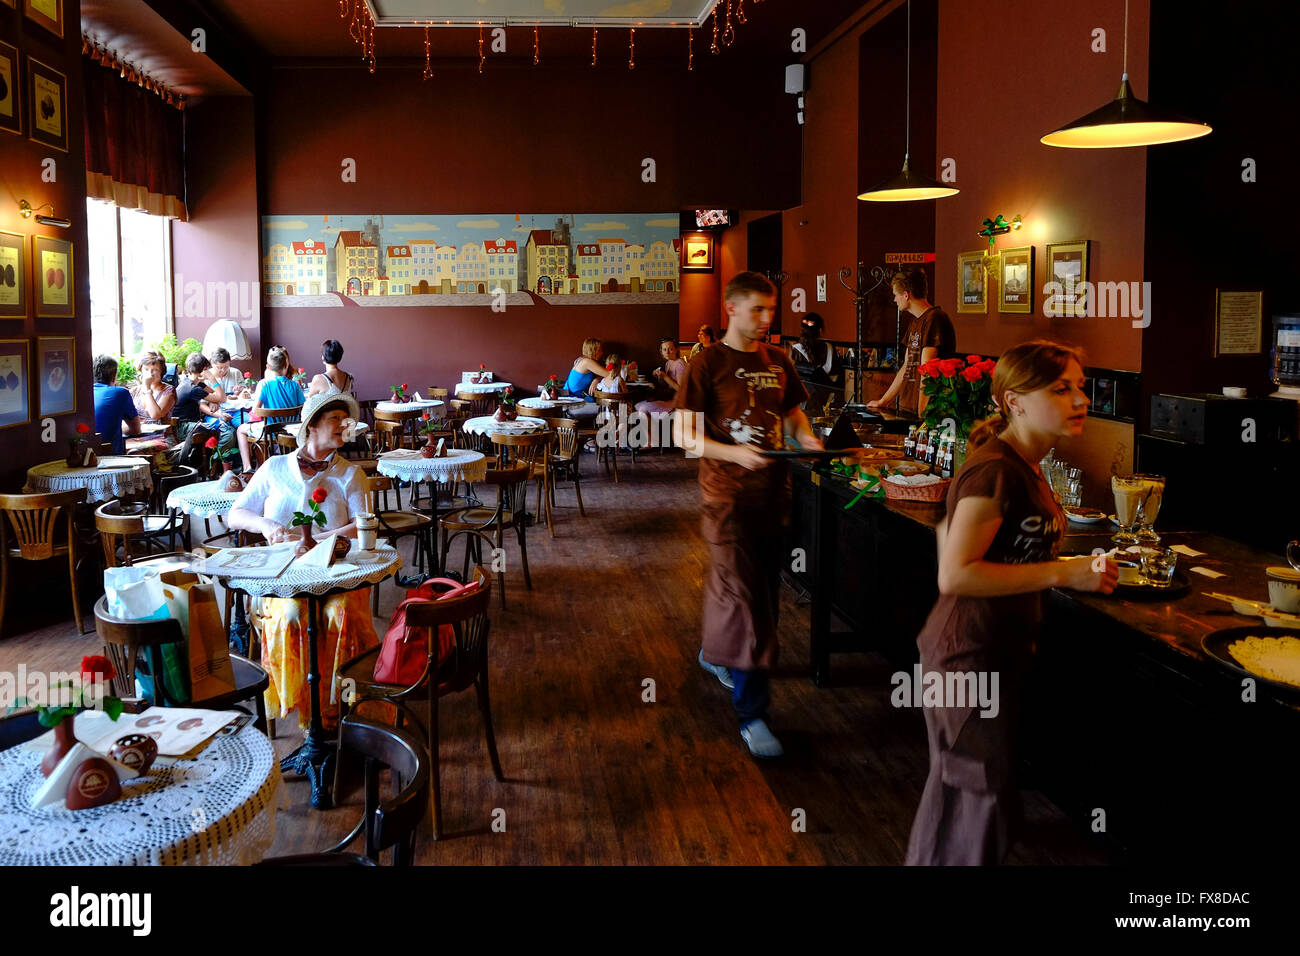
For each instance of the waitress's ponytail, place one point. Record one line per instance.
(1023, 368)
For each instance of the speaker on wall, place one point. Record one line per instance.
(795, 78)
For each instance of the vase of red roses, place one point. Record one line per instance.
(66, 698)
(81, 454)
(480, 376)
(305, 520)
(399, 394)
(959, 393)
(551, 390)
(429, 427)
(506, 411)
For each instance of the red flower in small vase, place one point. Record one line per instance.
(247, 376)
(482, 367)
(211, 442)
(96, 666)
(405, 386)
(83, 428)
(319, 495)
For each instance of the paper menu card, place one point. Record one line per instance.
(260, 562)
(1190, 552)
(176, 730)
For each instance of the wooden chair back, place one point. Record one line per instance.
(33, 518)
(435, 392)
(479, 403)
(522, 449)
(123, 640)
(390, 435)
(116, 519)
(467, 615)
(546, 411)
(565, 431)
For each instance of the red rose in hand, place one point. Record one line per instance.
(83, 429)
(96, 666)
(211, 442)
(319, 495)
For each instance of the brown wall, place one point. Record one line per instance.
(219, 244)
(21, 445)
(573, 141)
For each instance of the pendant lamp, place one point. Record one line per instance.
(1125, 121)
(908, 186)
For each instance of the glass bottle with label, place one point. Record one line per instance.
(918, 447)
(909, 443)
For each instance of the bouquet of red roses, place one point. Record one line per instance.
(959, 392)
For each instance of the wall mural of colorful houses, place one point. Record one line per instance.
(518, 259)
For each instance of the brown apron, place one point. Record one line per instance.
(742, 594)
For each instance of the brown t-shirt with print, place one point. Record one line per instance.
(744, 397)
(996, 633)
(932, 329)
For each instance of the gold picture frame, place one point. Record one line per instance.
(13, 275)
(56, 375)
(1238, 322)
(15, 382)
(53, 278)
(697, 252)
(11, 90)
(1067, 267)
(972, 283)
(1016, 281)
(47, 105)
(48, 13)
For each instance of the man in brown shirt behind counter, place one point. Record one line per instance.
(930, 335)
(739, 398)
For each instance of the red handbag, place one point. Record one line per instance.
(405, 650)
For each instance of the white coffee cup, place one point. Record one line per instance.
(367, 531)
(1284, 589)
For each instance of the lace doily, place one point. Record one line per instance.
(218, 808)
(203, 499)
(459, 465)
(357, 569)
(116, 476)
(482, 387)
(487, 425)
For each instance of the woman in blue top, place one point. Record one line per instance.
(277, 390)
(586, 370)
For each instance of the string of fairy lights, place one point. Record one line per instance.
(726, 14)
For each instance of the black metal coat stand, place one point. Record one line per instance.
(859, 299)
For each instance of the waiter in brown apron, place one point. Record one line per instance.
(741, 397)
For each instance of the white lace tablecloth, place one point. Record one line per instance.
(459, 465)
(358, 569)
(203, 499)
(487, 425)
(217, 809)
(482, 387)
(422, 405)
(564, 401)
(116, 475)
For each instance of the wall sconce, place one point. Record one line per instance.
(26, 211)
(998, 227)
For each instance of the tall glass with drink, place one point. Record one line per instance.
(1150, 509)
(1130, 491)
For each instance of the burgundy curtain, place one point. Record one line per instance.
(134, 145)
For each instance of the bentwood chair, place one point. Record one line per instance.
(483, 524)
(33, 519)
(563, 463)
(613, 410)
(532, 450)
(386, 824)
(479, 403)
(124, 640)
(463, 666)
(396, 523)
(125, 523)
(397, 426)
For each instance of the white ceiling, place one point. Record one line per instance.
(579, 12)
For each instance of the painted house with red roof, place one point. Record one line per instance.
(660, 266)
(589, 267)
(546, 263)
(503, 264)
(309, 259)
(356, 264)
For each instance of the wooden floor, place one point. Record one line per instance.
(595, 775)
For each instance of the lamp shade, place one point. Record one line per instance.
(1125, 121)
(908, 186)
(226, 334)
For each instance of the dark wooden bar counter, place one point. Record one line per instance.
(1127, 724)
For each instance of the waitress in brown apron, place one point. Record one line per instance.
(997, 554)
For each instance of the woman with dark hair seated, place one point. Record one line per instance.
(333, 381)
(194, 400)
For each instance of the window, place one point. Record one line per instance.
(129, 259)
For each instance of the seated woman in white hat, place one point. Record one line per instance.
(283, 485)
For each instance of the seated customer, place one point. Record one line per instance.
(276, 390)
(230, 380)
(195, 400)
(703, 339)
(671, 376)
(587, 369)
(612, 383)
(283, 485)
(114, 410)
(333, 380)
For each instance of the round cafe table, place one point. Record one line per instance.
(407, 465)
(422, 405)
(487, 425)
(480, 388)
(115, 476)
(218, 808)
(563, 402)
(202, 499)
(358, 569)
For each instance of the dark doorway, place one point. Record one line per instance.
(765, 257)
(611, 286)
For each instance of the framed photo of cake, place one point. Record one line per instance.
(47, 102)
(1016, 288)
(13, 275)
(53, 278)
(48, 13)
(15, 390)
(11, 94)
(56, 370)
(972, 289)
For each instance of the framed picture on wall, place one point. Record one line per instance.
(1067, 277)
(52, 270)
(47, 103)
(48, 13)
(15, 392)
(11, 96)
(697, 252)
(56, 374)
(1016, 285)
(13, 275)
(972, 289)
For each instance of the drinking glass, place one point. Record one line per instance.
(1130, 490)
(1150, 509)
(1158, 566)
